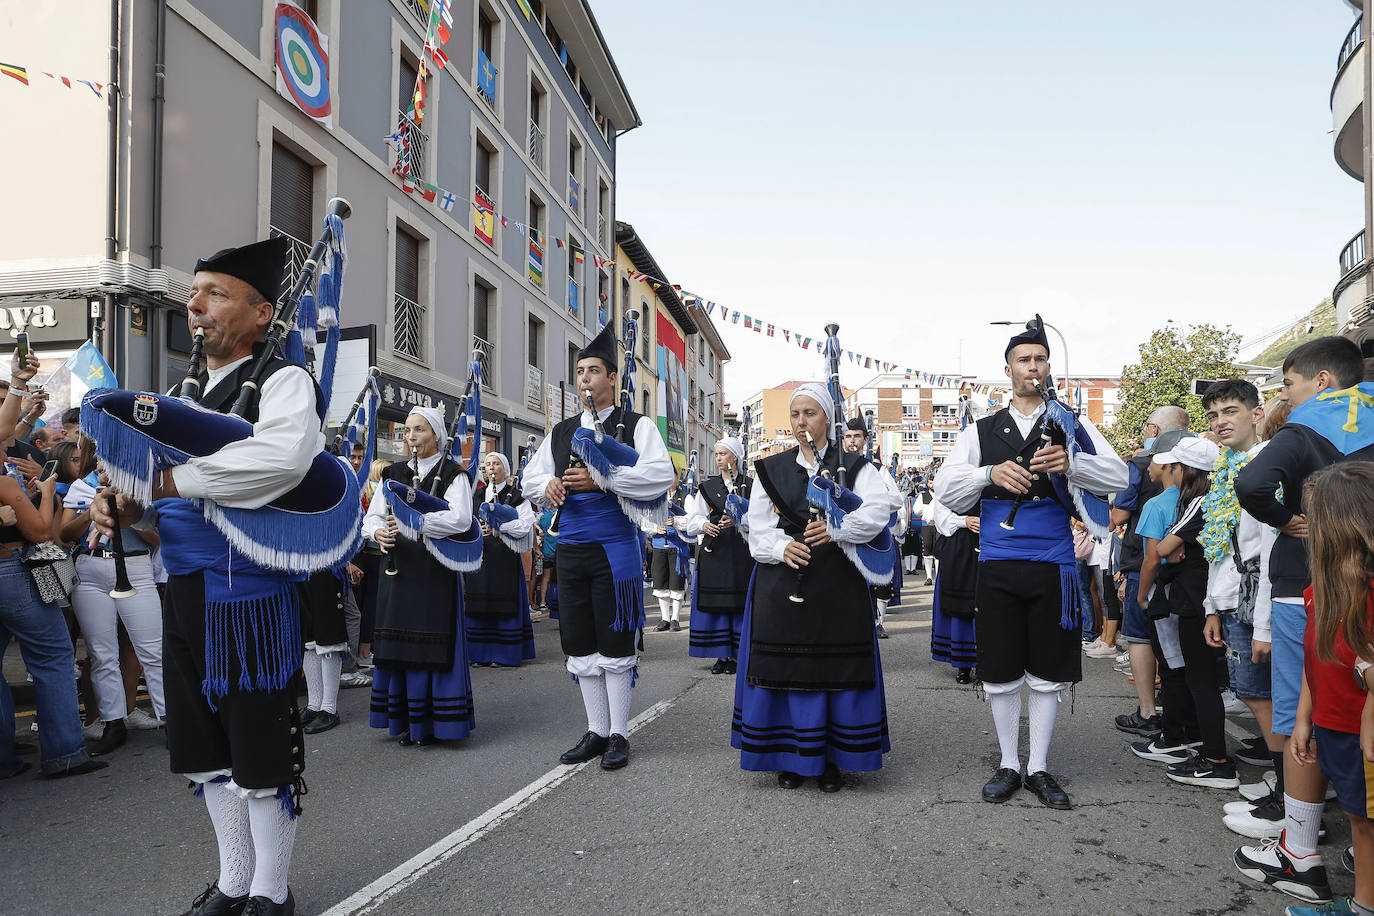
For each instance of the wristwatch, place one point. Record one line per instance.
(1361, 666)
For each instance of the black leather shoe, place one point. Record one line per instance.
(965, 676)
(591, 745)
(114, 736)
(662, 625)
(322, 722)
(263, 906)
(675, 626)
(1002, 785)
(731, 665)
(829, 781)
(788, 780)
(407, 741)
(719, 667)
(214, 902)
(308, 715)
(617, 752)
(882, 634)
(1045, 786)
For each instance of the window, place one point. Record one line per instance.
(910, 411)
(645, 315)
(711, 366)
(535, 340)
(573, 350)
(586, 94)
(487, 42)
(574, 273)
(293, 196)
(603, 209)
(645, 399)
(535, 227)
(408, 316)
(701, 353)
(483, 301)
(311, 8)
(537, 148)
(603, 299)
(574, 174)
(484, 197)
(416, 140)
(624, 296)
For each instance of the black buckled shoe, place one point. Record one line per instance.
(788, 780)
(263, 906)
(965, 676)
(617, 752)
(663, 625)
(731, 665)
(829, 780)
(882, 633)
(676, 626)
(308, 715)
(719, 667)
(1045, 786)
(1002, 785)
(214, 902)
(322, 722)
(591, 745)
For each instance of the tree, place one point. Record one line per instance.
(1169, 361)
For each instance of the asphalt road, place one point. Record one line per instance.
(494, 824)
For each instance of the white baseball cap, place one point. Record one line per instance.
(1195, 452)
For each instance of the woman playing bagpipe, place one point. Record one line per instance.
(809, 697)
(247, 506)
(421, 688)
(624, 473)
(496, 605)
(667, 575)
(724, 566)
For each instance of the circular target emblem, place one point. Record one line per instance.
(302, 64)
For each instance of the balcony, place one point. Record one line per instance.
(602, 239)
(295, 257)
(1347, 102)
(486, 354)
(416, 142)
(1351, 294)
(407, 328)
(537, 146)
(420, 12)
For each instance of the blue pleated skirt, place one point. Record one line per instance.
(426, 704)
(503, 640)
(800, 731)
(952, 639)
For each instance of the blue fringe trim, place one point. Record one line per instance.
(460, 554)
(329, 361)
(290, 797)
(274, 621)
(629, 605)
(294, 350)
(646, 513)
(1071, 600)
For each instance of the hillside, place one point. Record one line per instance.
(1323, 322)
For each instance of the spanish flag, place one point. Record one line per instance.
(17, 72)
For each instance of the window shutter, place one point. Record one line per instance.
(407, 266)
(293, 194)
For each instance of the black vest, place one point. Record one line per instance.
(560, 444)
(786, 483)
(714, 491)
(436, 482)
(221, 398)
(508, 495)
(999, 440)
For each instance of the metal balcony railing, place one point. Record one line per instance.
(408, 324)
(1352, 255)
(1353, 39)
(295, 258)
(486, 357)
(601, 231)
(536, 146)
(416, 142)
(420, 12)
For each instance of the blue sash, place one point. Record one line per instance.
(1042, 535)
(596, 518)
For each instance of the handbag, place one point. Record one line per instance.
(53, 573)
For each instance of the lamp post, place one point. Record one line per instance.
(1068, 393)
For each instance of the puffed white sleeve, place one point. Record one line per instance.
(457, 518)
(946, 522)
(767, 540)
(1104, 473)
(698, 514)
(538, 473)
(865, 522)
(650, 476)
(960, 481)
(520, 526)
(376, 511)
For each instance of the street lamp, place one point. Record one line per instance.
(1063, 343)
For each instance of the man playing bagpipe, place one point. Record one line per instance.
(809, 700)
(599, 567)
(496, 603)
(856, 442)
(231, 640)
(1031, 465)
(421, 686)
(724, 564)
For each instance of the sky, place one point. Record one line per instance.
(913, 170)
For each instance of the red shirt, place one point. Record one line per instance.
(1336, 697)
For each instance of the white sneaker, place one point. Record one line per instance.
(141, 720)
(1100, 650)
(1303, 877)
(1234, 707)
(94, 730)
(1255, 791)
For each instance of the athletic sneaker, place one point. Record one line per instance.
(1138, 724)
(1197, 770)
(141, 720)
(1334, 908)
(1124, 658)
(1160, 752)
(355, 679)
(1256, 791)
(1261, 821)
(1254, 752)
(1348, 859)
(1100, 650)
(365, 662)
(1303, 877)
(1233, 704)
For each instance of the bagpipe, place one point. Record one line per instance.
(1059, 422)
(737, 506)
(678, 541)
(139, 435)
(602, 454)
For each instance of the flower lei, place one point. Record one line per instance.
(1221, 507)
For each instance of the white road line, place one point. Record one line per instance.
(419, 865)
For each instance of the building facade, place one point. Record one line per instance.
(499, 252)
(706, 359)
(1350, 97)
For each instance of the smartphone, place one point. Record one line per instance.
(22, 344)
(49, 469)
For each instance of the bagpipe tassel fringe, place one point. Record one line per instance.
(629, 605)
(1071, 606)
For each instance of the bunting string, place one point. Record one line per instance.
(16, 72)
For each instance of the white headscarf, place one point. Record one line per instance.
(736, 447)
(435, 419)
(821, 395)
(505, 463)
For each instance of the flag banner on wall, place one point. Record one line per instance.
(672, 390)
(302, 64)
(483, 217)
(536, 262)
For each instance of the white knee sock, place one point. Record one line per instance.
(618, 686)
(314, 679)
(331, 667)
(1301, 823)
(1006, 715)
(1041, 709)
(274, 834)
(594, 699)
(930, 566)
(882, 610)
(677, 607)
(665, 608)
(229, 815)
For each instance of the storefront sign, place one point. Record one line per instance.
(46, 321)
(400, 396)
